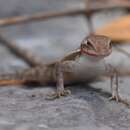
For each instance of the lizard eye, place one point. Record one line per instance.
(90, 46)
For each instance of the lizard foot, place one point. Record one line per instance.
(59, 94)
(119, 99)
(115, 97)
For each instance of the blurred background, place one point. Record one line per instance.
(61, 33)
(50, 29)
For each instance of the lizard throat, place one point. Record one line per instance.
(94, 54)
(88, 53)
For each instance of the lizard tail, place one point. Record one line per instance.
(42, 75)
(19, 77)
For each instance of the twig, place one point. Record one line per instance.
(47, 15)
(89, 18)
(38, 16)
(27, 56)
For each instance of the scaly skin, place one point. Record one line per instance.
(84, 64)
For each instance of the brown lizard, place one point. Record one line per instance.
(84, 64)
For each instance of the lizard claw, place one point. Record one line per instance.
(119, 99)
(58, 94)
(116, 98)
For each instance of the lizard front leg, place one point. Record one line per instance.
(61, 91)
(115, 89)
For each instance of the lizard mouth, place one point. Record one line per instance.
(93, 53)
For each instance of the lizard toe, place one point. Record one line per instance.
(119, 99)
(58, 94)
(66, 92)
(116, 98)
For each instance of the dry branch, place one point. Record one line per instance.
(26, 55)
(93, 7)
(38, 16)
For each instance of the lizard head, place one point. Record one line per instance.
(96, 45)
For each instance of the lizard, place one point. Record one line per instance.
(84, 64)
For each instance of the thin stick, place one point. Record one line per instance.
(38, 16)
(47, 15)
(89, 18)
(27, 56)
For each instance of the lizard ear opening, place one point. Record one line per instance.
(110, 44)
(83, 45)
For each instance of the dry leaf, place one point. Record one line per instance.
(117, 30)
